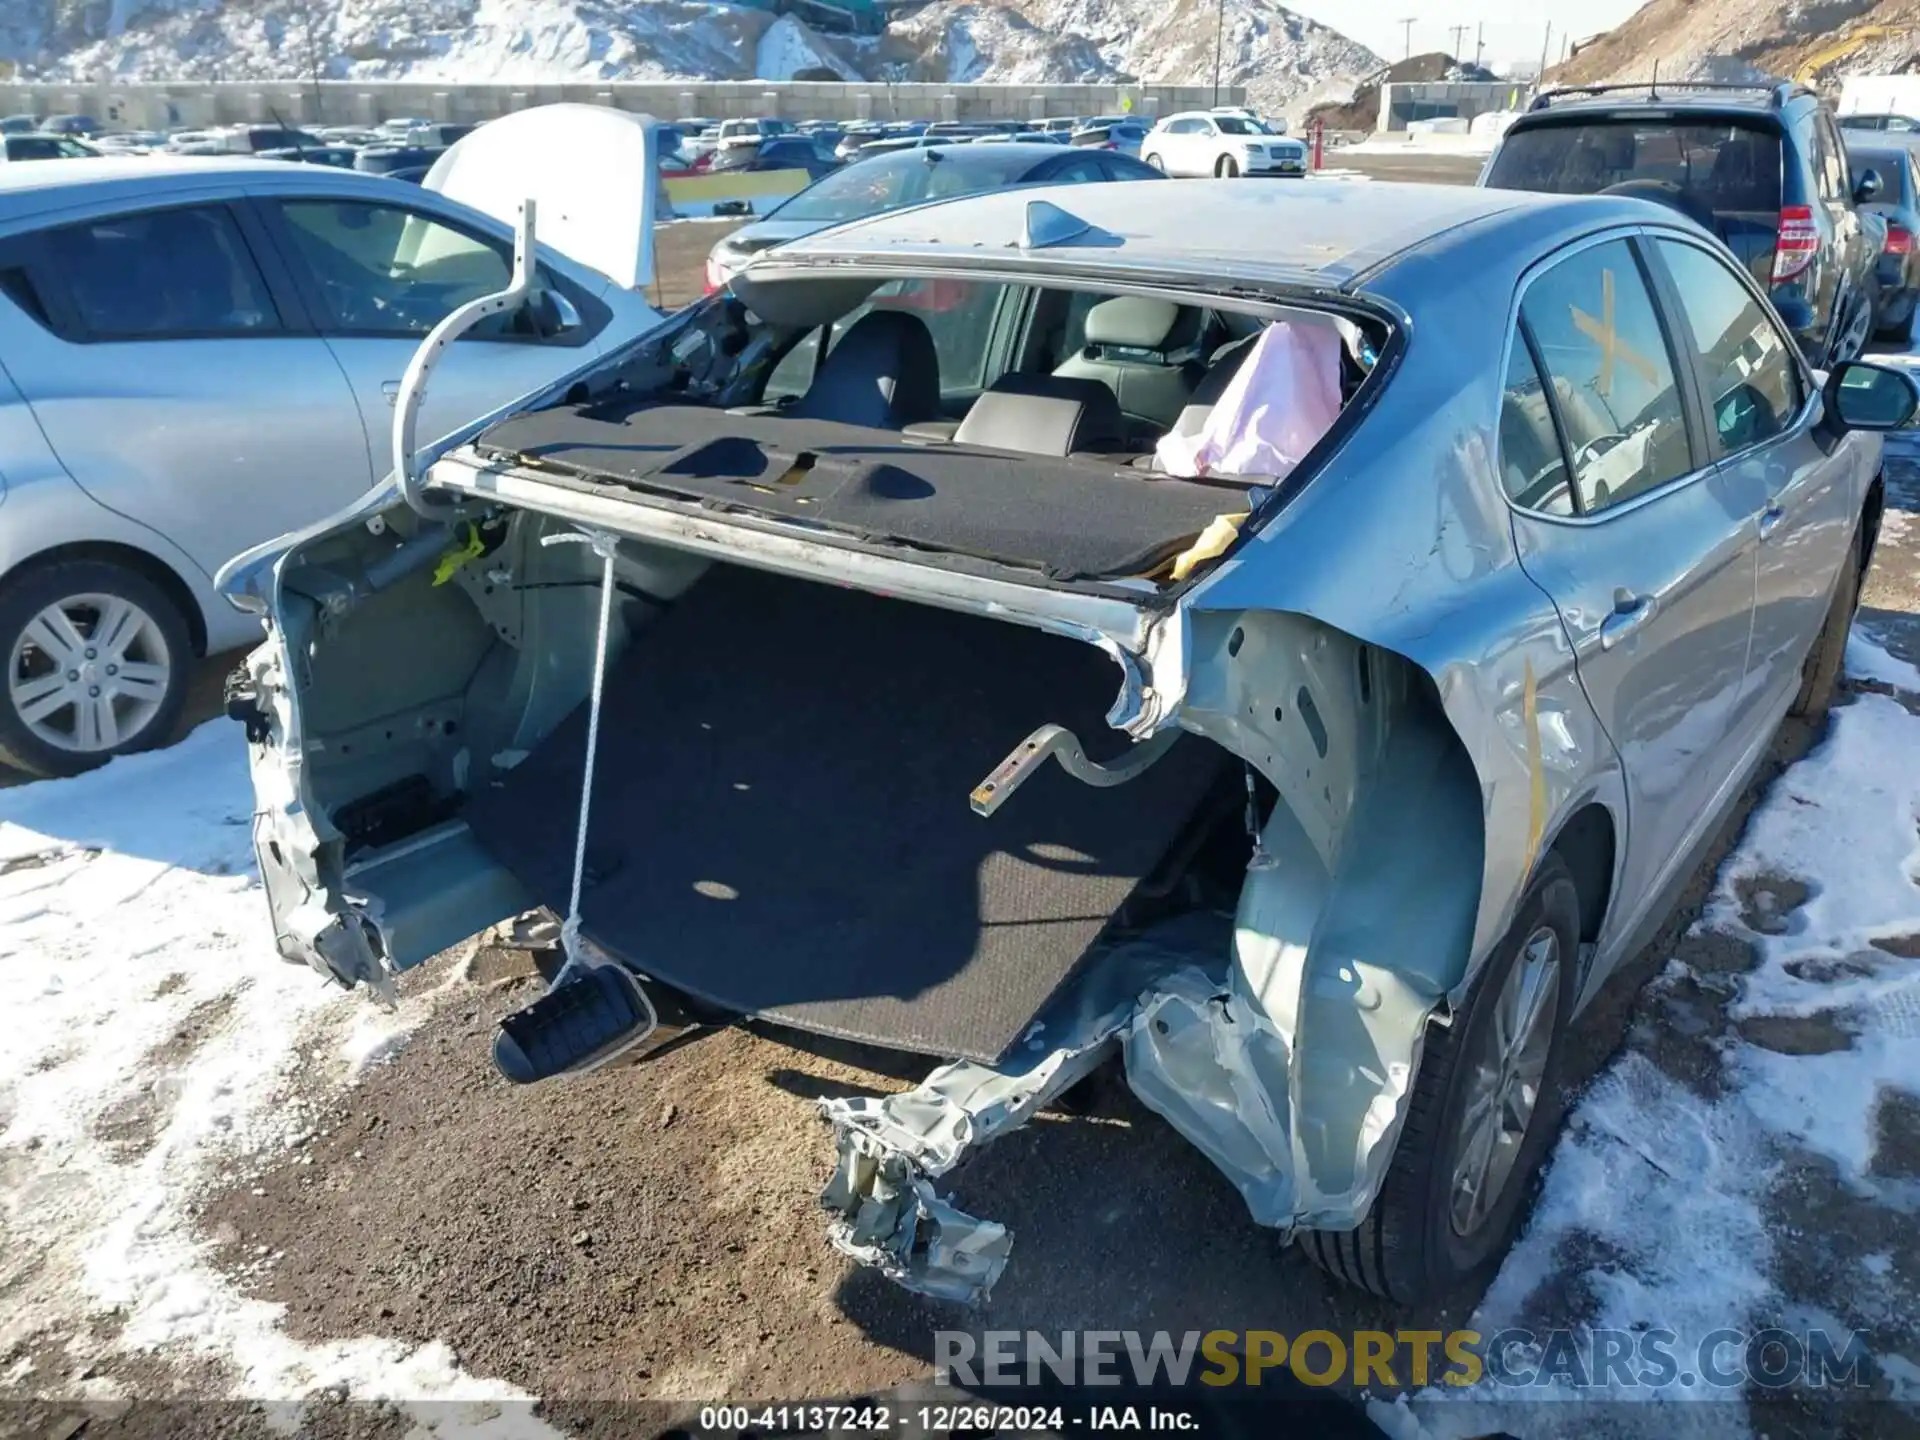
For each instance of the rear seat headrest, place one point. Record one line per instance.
(1136, 322)
(1043, 415)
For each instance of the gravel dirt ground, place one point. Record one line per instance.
(652, 1233)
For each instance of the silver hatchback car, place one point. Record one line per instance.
(197, 354)
(1405, 581)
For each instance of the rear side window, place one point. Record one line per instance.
(163, 274)
(1598, 335)
(1829, 163)
(1727, 165)
(1533, 468)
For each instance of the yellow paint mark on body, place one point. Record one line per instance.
(1604, 333)
(1536, 769)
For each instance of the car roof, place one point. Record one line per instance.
(1571, 105)
(47, 186)
(1328, 233)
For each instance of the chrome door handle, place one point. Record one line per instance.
(1770, 519)
(391, 389)
(1630, 612)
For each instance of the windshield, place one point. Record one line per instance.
(279, 139)
(1728, 166)
(889, 182)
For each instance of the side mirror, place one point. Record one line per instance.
(1867, 188)
(1863, 396)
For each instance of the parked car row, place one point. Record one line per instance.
(402, 149)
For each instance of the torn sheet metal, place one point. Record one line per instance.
(884, 1208)
(891, 1150)
(1292, 1074)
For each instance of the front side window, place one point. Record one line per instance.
(385, 270)
(1599, 338)
(163, 274)
(1753, 384)
(959, 314)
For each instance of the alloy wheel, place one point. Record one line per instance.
(89, 673)
(1504, 1080)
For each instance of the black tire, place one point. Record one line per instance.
(1227, 168)
(1157, 163)
(1820, 672)
(23, 597)
(1407, 1249)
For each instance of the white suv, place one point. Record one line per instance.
(1201, 143)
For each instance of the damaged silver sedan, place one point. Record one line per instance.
(1290, 642)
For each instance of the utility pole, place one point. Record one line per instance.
(1407, 25)
(1479, 44)
(1458, 32)
(1219, 30)
(1546, 48)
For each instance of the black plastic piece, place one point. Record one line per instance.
(391, 813)
(569, 1026)
(243, 705)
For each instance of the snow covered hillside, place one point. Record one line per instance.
(1285, 60)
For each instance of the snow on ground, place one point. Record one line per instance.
(152, 1034)
(1675, 1196)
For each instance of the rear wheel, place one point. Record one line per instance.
(96, 666)
(1227, 168)
(1901, 331)
(1484, 1108)
(1852, 338)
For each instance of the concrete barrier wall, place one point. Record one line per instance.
(1402, 104)
(157, 106)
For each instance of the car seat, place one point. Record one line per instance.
(1146, 352)
(884, 373)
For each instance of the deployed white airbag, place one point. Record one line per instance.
(1284, 397)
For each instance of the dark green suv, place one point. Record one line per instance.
(1762, 167)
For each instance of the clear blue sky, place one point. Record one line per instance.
(1514, 28)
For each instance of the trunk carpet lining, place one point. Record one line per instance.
(1071, 517)
(781, 822)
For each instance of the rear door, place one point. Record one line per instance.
(178, 382)
(378, 275)
(1645, 546)
(1760, 410)
(1841, 270)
